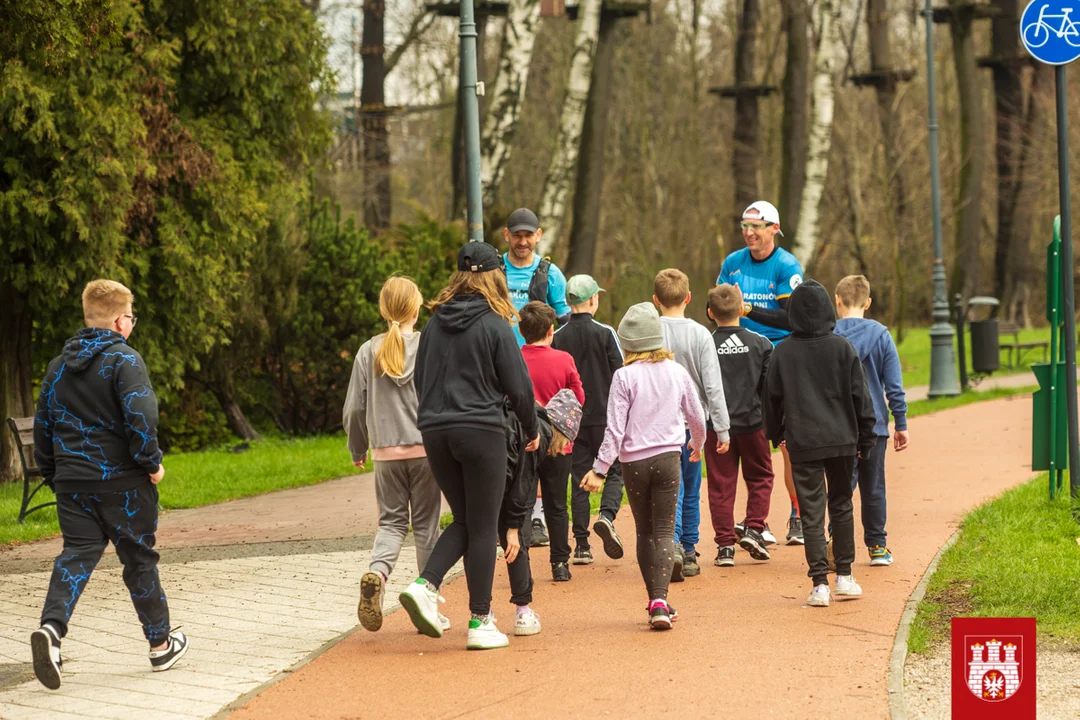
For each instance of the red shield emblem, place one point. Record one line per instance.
(993, 668)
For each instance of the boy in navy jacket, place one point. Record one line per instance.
(95, 440)
(877, 351)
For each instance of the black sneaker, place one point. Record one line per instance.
(690, 566)
(560, 572)
(740, 528)
(369, 609)
(45, 646)
(605, 530)
(725, 556)
(753, 543)
(794, 532)
(582, 556)
(539, 534)
(677, 571)
(164, 659)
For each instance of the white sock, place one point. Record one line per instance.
(538, 510)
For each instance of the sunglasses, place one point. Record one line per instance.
(755, 227)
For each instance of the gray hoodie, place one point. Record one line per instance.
(694, 350)
(390, 398)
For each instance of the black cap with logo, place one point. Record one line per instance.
(478, 257)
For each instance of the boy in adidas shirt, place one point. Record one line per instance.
(744, 359)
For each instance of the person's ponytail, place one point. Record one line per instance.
(399, 301)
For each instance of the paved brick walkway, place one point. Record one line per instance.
(261, 584)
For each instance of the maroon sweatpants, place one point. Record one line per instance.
(723, 473)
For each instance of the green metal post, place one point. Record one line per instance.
(942, 355)
(1067, 289)
(467, 92)
(1053, 303)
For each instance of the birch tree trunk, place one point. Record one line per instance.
(822, 98)
(563, 166)
(508, 95)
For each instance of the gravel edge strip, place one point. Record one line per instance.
(897, 701)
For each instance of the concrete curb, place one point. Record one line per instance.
(250, 695)
(897, 701)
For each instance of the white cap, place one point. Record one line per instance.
(765, 211)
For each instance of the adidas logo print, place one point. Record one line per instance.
(732, 346)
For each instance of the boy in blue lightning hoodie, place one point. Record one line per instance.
(95, 440)
(877, 351)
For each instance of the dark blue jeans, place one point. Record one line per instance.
(688, 509)
(869, 477)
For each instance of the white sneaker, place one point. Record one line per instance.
(820, 596)
(444, 622)
(483, 635)
(421, 601)
(527, 623)
(770, 539)
(847, 588)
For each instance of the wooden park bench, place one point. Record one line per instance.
(23, 430)
(1016, 349)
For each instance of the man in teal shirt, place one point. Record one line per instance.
(526, 271)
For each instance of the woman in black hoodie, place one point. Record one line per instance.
(467, 365)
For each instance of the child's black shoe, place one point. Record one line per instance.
(162, 660)
(45, 646)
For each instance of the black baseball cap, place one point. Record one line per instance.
(522, 219)
(478, 257)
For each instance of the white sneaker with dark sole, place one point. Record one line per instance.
(769, 538)
(162, 660)
(847, 588)
(45, 646)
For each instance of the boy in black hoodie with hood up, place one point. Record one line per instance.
(818, 404)
(95, 440)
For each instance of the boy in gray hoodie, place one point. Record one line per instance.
(694, 350)
(380, 414)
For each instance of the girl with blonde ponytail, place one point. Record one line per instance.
(380, 415)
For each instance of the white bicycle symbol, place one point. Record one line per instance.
(1038, 33)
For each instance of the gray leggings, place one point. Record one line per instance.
(652, 487)
(400, 484)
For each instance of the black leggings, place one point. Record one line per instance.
(470, 468)
(652, 488)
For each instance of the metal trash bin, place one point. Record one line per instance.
(985, 355)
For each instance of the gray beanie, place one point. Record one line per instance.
(640, 330)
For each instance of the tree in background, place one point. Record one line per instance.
(144, 142)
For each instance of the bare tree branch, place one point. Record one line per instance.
(417, 27)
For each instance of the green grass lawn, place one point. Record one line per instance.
(915, 354)
(203, 478)
(1017, 556)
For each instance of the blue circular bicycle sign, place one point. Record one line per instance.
(1050, 30)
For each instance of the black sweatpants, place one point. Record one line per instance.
(815, 495)
(521, 581)
(469, 465)
(586, 447)
(652, 487)
(88, 523)
(554, 475)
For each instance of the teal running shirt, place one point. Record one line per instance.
(764, 283)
